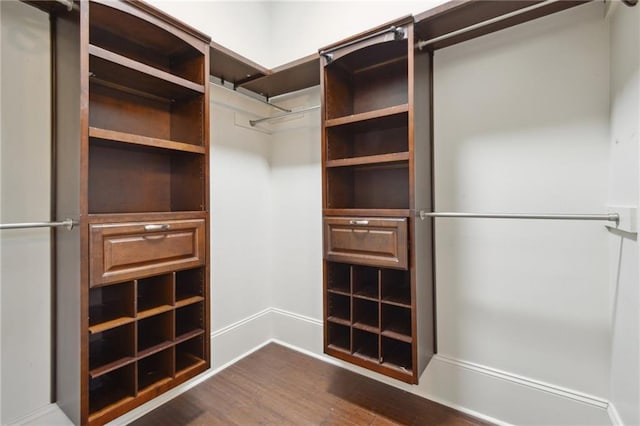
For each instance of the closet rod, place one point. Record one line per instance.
(420, 44)
(221, 84)
(260, 120)
(68, 223)
(609, 217)
(68, 3)
(398, 32)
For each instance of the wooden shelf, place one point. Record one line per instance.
(338, 348)
(107, 325)
(397, 336)
(368, 212)
(366, 327)
(188, 301)
(227, 65)
(114, 365)
(107, 55)
(121, 399)
(370, 159)
(340, 292)
(338, 320)
(293, 76)
(369, 115)
(129, 138)
(188, 335)
(158, 347)
(197, 364)
(154, 311)
(120, 70)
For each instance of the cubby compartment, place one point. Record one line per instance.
(365, 345)
(111, 349)
(395, 287)
(366, 315)
(366, 80)
(374, 137)
(338, 277)
(189, 286)
(396, 354)
(339, 308)
(133, 179)
(141, 40)
(189, 353)
(365, 281)
(155, 368)
(112, 388)
(338, 336)
(189, 321)
(396, 322)
(377, 186)
(154, 295)
(111, 306)
(155, 333)
(118, 109)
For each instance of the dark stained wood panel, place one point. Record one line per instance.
(296, 75)
(278, 386)
(459, 14)
(229, 66)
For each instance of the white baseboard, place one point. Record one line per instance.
(50, 415)
(614, 415)
(489, 394)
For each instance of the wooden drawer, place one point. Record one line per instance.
(123, 251)
(366, 241)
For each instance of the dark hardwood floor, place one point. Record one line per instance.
(279, 386)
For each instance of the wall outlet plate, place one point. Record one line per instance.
(628, 219)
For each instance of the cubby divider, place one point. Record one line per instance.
(155, 368)
(155, 295)
(111, 306)
(155, 333)
(365, 281)
(112, 388)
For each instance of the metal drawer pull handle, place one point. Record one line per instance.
(156, 227)
(359, 222)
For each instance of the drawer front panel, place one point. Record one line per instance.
(132, 250)
(367, 241)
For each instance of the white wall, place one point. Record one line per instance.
(25, 197)
(297, 217)
(521, 125)
(240, 210)
(326, 22)
(623, 190)
(272, 33)
(242, 26)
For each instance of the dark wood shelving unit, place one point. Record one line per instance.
(132, 150)
(376, 176)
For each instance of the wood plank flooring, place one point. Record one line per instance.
(279, 386)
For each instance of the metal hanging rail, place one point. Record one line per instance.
(68, 3)
(254, 98)
(260, 120)
(608, 217)
(398, 32)
(424, 43)
(420, 44)
(68, 223)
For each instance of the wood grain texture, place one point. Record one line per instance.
(278, 386)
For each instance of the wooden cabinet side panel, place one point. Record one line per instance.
(70, 347)
(422, 241)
